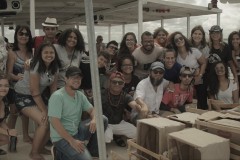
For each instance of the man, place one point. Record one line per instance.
(100, 45)
(50, 28)
(112, 48)
(172, 68)
(146, 55)
(114, 102)
(174, 101)
(65, 110)
(149, 91)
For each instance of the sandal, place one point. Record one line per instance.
(120, 142)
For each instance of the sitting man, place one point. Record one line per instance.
(149, 91)
(67, 131)
(174, 101)
(114, 103)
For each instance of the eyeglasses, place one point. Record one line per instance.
(112, 47)
(158, 71)
(186, 75)
(117, 82)
(23, 34)
(178, 39)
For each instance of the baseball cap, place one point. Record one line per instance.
(157, 65)
(186, 68)
(117, 75)
(72, 71)
(215, 28)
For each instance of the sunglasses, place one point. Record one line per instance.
(117, 82)
(186, 75)
(158, 71)
(178, 39)
(23, 34)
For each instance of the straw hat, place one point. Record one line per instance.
(50, 22)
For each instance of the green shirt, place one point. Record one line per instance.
(68, 110)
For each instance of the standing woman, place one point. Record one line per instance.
(70, 48)
(220, 86)
(21, 51)
(128, 44)
(198, 41)
(160, 37)
(220, 51)
(234, 44)
(43, 73)
(5, 132)
(192, 57)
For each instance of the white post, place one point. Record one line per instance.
(218, 18)
(162, 22)
(32, 17)
(109, 33)
(2, 26)
(140, 19)
(123, 30)
(188, 26)
(95, 79)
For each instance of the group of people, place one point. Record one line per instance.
(47, 79)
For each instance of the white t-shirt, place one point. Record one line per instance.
(146, 92)
(191, 60)
(227, 95)
(144, 61)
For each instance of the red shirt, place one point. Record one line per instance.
(178, 97)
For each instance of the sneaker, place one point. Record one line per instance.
(53, 152)
(2, 152)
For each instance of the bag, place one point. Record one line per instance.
(13, 144)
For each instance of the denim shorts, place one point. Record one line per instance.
(22, 101)
(11, 96)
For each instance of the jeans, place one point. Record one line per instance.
(64, 151)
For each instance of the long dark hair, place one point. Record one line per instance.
(172, 44)
(80, 41)
(214, 83)
(230, 38)
(120, 62)
(203, 41)
(29, 44)
(53, 67)
(123, 50)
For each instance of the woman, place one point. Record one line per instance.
(43, 73)
(192, 57)
(70, 48)
(220, 86)
(160, 37)
(220, 51)
(3, 54)
(125, 66)
(5, 132)
(234, 44)
(128, 44)
(21, 51)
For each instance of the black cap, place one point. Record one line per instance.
(73, 71)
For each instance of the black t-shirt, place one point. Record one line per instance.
(113, 106)
(128, 87)
(216, 55)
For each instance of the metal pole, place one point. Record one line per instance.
(95, 78)
(2, 26)
(140, 19)
(162, 22)
(123, 30)
(188, 26)
(32, 17)
(218, 18)
(109, 33)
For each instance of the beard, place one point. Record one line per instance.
(156, 82)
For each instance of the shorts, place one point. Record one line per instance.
(23, 101)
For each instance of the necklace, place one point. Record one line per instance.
(117, 102)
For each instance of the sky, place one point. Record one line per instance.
(229, 21)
